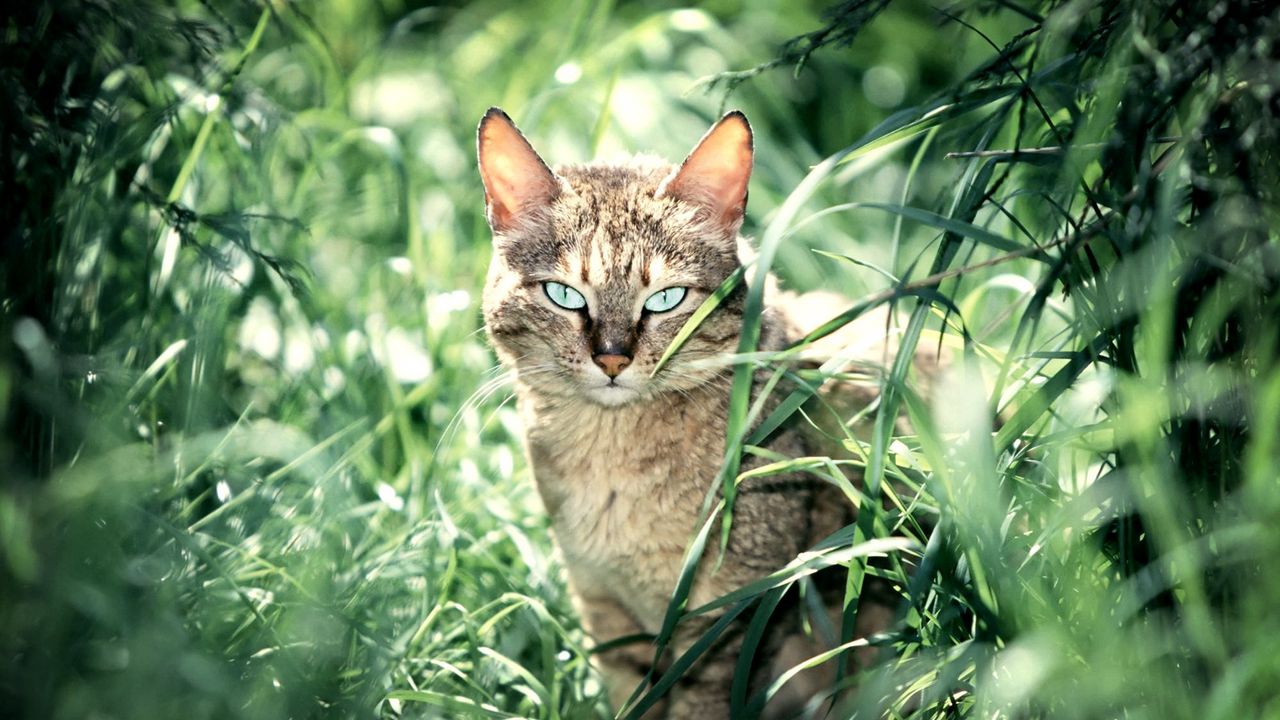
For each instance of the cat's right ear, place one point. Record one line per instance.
(515, 179)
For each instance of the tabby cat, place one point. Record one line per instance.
(595, 268)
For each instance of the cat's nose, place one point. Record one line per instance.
(611, 364)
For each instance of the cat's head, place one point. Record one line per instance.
(596, 267)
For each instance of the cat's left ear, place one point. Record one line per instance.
(715, 174)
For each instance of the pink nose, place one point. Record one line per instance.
(613, 365)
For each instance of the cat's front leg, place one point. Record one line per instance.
(703, 692)
(702, 697)
(624, 667)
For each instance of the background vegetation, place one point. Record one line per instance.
(257, 461)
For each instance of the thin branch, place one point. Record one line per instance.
(1041, 151)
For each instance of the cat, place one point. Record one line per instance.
(595, 268)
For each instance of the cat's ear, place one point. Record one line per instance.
(715, 174)
(515, 179)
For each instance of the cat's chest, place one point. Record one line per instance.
(618, 486)
(624, 491)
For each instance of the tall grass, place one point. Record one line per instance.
(1105, 547)
(258, 461)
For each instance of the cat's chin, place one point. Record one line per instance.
(611, 395)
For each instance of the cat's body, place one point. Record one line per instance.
(586, 262)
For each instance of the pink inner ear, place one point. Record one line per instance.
(515, 179)
(716, 173)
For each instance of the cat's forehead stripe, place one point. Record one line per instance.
(599, 254)
(655, 268)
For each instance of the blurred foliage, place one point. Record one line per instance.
(256, 462)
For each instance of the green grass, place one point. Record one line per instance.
(258, 460)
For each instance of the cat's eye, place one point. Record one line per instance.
(564, 296)
(664, 300)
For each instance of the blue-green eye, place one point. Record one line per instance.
(564, 296)
(664, 300)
